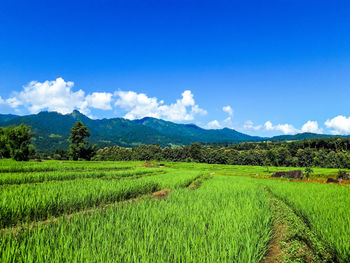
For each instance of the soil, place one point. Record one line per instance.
(161, 194)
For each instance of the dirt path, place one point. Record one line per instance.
(292, 239)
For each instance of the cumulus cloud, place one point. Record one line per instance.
(340, 125)
(311, 126)
(139, 105)
(58, 95)
(285, 128)
(100, 100)
(228, 110)
(1, 100)
(249, 125)
(214, 125)
(13, 102)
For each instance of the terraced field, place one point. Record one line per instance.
(180, 212)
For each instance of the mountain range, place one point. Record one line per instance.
(52, 131)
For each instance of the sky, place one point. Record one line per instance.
(260, 67)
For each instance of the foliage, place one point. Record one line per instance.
(78, 148)
(52, 129)
(272, 154)
(15, 142)
(308, 171)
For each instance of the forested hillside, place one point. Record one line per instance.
(52, 132)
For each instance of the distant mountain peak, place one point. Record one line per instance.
(128, 133)
(77, 113)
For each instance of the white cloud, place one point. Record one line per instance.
(311, 126)
(214, 125)
(228, 110)
(54, 95)
(187, 98)
(139, 105)
(339, 124)
(249, 125)
(13, 102)
(100, 100)
(58, 95)
(285, 128)
(268, 126)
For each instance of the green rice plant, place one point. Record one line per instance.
(11, 166)
(32, 202)
(226, 220)
(326, 208)
(37, 177)
(248, 170)
(175, 178)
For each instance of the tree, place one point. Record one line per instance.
(196, 151)
(308, 171)
(4, 147)
(78, 147)
(18, 140)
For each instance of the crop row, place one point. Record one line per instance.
(226, 220)
(10, 166)
(324, 207)
(37, 177)
(32, 202)
(175, 178)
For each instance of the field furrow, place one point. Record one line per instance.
(224, 220)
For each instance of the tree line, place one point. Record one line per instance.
(275, 154)
(15, 142)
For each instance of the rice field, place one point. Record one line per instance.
(183, 212)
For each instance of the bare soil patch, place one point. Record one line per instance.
(161, 194)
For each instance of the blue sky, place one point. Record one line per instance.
(282, 66)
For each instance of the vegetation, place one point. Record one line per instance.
(324, 207)
(78, 148)
(329, 152)
(53, 130)
(202, 213)
(15, 142)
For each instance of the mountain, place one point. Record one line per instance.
(7, 117)
(194, 133)
(52, 131)
(300, 136)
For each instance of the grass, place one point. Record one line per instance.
(230, 223)
(214, 213)
(30, 202)
(37, 177)
(324, 207)
(10, 166)
(293, 241)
